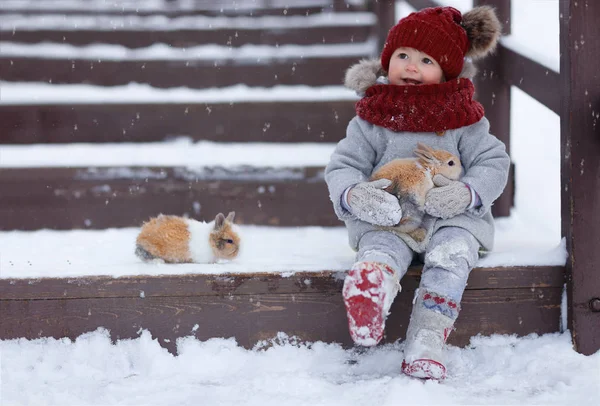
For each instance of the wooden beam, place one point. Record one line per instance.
(200, 73)
(98, 198)
(256, 307)
(186, 38)
(580, 169)
(522, 277)
(289, 121)
(535, 79)
(494, 93)
(386, 19)
(174, 12)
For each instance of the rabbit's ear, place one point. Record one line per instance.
(230, 216)
(425, 153)
(219, 220)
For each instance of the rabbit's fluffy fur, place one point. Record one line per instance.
(412, 178)
(175, 239)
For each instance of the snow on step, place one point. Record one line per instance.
(245, 54)
(23, 93)
(178, 153)
(265, 249)
(12, 22)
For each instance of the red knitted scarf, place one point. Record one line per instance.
(421, 108)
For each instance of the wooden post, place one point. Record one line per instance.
(386, 19)
(580, 169)
(494, 93)
(340, 5)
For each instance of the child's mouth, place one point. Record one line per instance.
(411, 82)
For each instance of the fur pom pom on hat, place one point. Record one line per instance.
(446, 35)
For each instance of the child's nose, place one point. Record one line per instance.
(411, 67)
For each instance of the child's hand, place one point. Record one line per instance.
(450, 198)
(369, 202)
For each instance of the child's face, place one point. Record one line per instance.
(409, 66)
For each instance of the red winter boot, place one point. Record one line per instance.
(369, 290)
(431, 321)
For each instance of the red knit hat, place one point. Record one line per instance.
(435, 31)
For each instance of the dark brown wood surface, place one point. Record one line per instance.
(173, 12)
(252, 308)
(580, 169)
(97, 198)
(538, 81)
(289, 121)
(193, 73)
(186, 38)
(67, 198)
(522, 277)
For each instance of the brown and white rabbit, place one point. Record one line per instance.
(412, 178)
(175, 239)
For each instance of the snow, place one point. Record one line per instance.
(246, 54)
(265, 249)
(23, 93)
(181, 152)
(497, 370)
(92, 371)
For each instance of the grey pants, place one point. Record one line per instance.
(449, 258)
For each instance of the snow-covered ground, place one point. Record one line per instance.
(91, 371)
(499, 370)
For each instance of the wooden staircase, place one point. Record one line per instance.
(309, 40)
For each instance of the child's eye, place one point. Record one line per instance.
(450, 163)
(402, 55)
(427, 61)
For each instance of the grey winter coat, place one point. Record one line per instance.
(367, 147)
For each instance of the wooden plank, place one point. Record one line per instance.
(386, 19)
(494, 94)
(325, 282)
(180, 12)
(580, 168)
(531, 77)
(255, 317)
(69, 198)
(186, 38)
(98, 198)
(197, 73)
(289, 121)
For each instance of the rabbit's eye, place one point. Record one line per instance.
(450, 163)
(229, 241)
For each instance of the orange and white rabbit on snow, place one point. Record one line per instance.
(412, 178)
(175, 239)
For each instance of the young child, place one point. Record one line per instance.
(425, 100)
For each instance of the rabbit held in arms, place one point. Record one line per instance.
(175, 239)
(412, 178)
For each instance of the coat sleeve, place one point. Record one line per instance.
(352, 162)
(486, 164)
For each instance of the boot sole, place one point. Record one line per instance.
(425, 369)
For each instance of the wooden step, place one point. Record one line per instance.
(193, 73)
(253, 307)
(98, 198)
(275, 121)
(172, 8)
(185, 38)
(174, 12)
